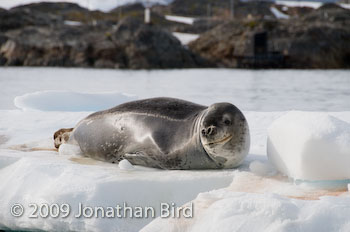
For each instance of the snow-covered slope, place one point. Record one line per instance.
(278, 14)
(185, 38)
(180, 19)
(312, 4)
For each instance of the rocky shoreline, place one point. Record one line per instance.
(67, 35)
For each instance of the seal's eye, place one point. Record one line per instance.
(227, 122)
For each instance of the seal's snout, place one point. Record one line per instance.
(211, 130)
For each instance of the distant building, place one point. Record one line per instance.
(147, 15)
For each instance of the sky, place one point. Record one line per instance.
(104, 5)
(107, 5)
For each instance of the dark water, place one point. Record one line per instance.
(273, 90)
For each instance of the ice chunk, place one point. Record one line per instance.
(125, 165)
(70, 101)
(310, 146)
(69, 149)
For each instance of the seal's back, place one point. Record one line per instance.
(166, 107)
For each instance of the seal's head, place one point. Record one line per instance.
(224, 134)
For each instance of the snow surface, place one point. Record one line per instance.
(180, 19)
(306, 4)
(70, 101)
(32, 173)
(185, 38)
(256, 203)
(253, 197)
(278, 14)
(45, 177)
(224, 210)
(72, 23)
(262, 168)
(310, 146)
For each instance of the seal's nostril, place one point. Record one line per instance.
(209, 131)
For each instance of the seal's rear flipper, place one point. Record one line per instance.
(61, 136)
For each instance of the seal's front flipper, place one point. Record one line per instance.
(139, 158)
(61, 136)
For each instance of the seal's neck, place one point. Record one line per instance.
(197, 126)
(197, 134)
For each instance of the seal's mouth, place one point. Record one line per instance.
(224, 140)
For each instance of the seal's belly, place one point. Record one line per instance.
(144, 139)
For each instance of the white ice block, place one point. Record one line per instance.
(310, 146)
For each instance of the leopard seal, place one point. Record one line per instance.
(164, 133)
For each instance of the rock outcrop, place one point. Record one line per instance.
(131, 44)
(18, 18)
(320, 39)
(65, 34)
